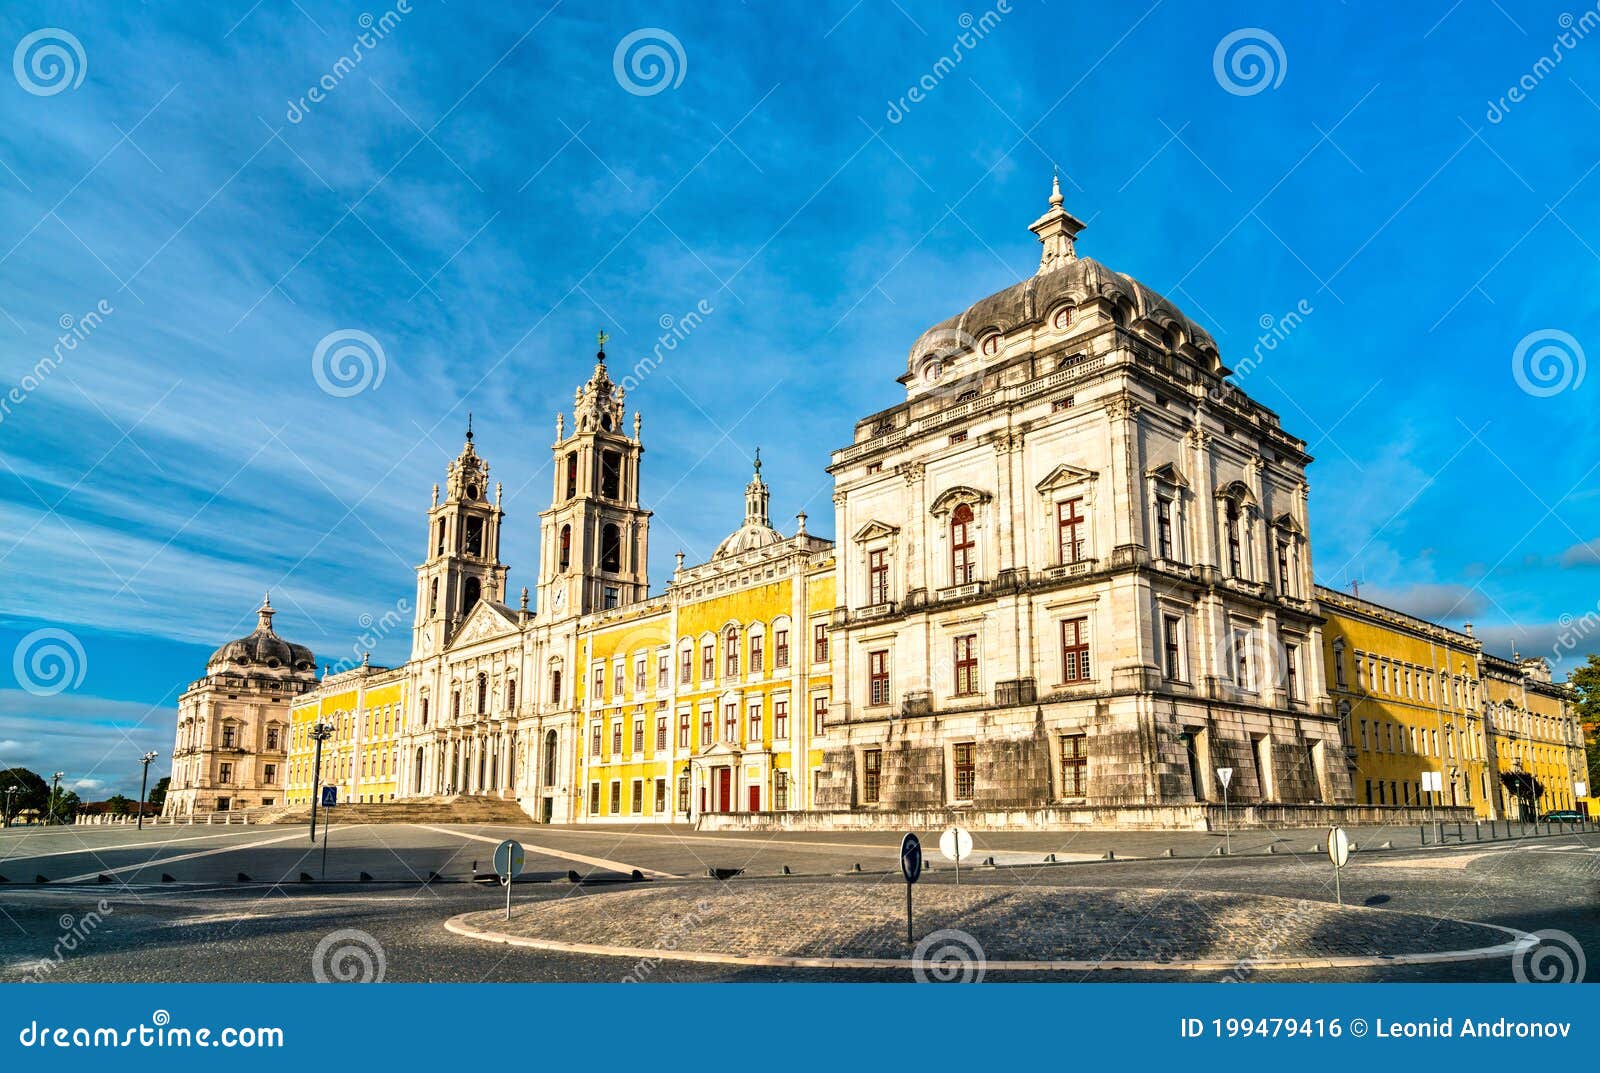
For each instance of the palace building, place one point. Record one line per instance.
(1071, 584)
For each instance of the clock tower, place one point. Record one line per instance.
(463, 564)
(594, 539)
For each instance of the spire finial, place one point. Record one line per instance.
(1055, 189)
(264, 613)
(758, 462)
(469, 426)
(602, 338)
(1057, 230)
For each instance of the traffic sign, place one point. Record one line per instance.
(330, 796)
(508, 860)
(1338, 847)
(910, 858)
(956, 843)
(1224, 776)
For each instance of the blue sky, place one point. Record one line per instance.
(484, 190)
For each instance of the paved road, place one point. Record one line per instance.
(207, 925)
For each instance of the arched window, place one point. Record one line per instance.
(483, 693)
(1235, 541)
(565, 559)
(470, 593)
(962, 546)
(572, 474)
(611, 549)
(433, 598)
(555, 685)
(511, 694)
(549, 757)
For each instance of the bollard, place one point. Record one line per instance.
(1422, 830)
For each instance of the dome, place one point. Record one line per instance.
(264, 648)
(757, 531)
(1064, 279)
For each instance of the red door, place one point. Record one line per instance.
(724, 789)
(755, 799)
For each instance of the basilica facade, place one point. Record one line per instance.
(1071, 584)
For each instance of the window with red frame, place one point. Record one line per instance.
(730, 649)
(962, 546)
(780, 649)
(878, 576)
(966, 660)
(878, 677)
(1075, 666)
(757, 653)
(819, 636)
(1071, 533)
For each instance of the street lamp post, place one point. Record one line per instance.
(144, 781)
(55, 796)
(11, 810)
(320, 733)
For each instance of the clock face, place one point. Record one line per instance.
(559, 600)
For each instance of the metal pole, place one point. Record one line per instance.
(1338, 895)
(909, 940)
(508, 895)
(326, 827)
(1227, 828)
(316, 782)
(144, 781)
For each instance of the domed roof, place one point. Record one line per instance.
(757, 531)
(1063, 279)
(264, 648)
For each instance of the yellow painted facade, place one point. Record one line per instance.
(1417, 697)
(366, 709)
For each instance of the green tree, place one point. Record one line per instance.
(32, 792)
(1585, 682)
(120, 805)
(158, 794)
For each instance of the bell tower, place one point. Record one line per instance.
(594, 539)
(463, 564)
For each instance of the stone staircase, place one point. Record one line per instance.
(460, 808)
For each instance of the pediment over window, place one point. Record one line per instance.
(1065, 476)
(951, 498)
(486, 619)
(1236, 490)
(1286, 523)
(875, 530)
(1167, 473)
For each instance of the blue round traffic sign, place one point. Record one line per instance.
(910, 858)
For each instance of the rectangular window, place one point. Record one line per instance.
(878, 577)
(1338, 668)
(705, 727)
(228, 736)
(638, 676)
(685, 666)
(683, 730)
(819, 715)
(878, 677)
(663, 671)
(616, 737)
(594, 799)
(1172, 647)
(1241, 659)
(638, 736)
(730, 647)
(708, 662)
(594, 740)
(730, 723)
(661, 796)
(1074, 765)
(1075, 665)
(819, 641)
(636, 800)
(270, 773)
(1164, 546)
(599, 685)
(1235, 543)
(1285, 575)
(616, 796)
(754, 722)
(683, 794)
(1071, 533)
(1365, 747)
(616, 681)
(958, 437)
(966, 661)
(272, 738)
(780, 790)
(780, 718)
(661, 733)
(780, 649)
(871, 774)
(966, 770)
(1291, 670)
(757, 653)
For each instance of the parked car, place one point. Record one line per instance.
(1565, 815)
